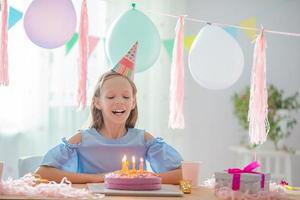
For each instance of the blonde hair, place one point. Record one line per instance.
(96, 114)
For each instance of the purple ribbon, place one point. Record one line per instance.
(247, 169)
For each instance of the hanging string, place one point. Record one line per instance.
(228, 25)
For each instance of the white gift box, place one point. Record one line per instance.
(250, 182)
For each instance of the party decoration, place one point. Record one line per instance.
(215, 60)
(258, 102)
(231, 30)
(176, 117)
(286, 185)
(14, 16)
(71, 43)
(50, 23)
(169, 44)
(126, 66)
(186, 186)
(3, 46)
(93, 41)
(31, 185)
(246, 179)
(249, 22)
(83, 55)
(132, 26)
(188, 41)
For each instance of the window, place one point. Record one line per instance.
(41, 79)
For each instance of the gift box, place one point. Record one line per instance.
(244, 180)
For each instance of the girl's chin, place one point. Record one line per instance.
(121, 119)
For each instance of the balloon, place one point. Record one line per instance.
(130, 27)
(50, 23)
(216, 60)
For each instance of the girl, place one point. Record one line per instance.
(91, 153)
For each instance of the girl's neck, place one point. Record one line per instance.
(113, 132)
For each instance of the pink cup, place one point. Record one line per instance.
(190, 171)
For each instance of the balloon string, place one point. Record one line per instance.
(227, 25)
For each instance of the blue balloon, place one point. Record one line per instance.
(130, 27)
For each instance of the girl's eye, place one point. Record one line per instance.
(126, 97)
(110, 97)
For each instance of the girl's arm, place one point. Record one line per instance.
(171, 177)
(54, 174)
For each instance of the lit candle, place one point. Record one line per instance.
(124, 164)
(133, 164)
(141, 166)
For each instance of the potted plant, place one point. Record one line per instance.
(279, 108)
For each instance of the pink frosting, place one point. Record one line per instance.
(133, 187)
(146, 181)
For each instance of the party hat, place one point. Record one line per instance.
(126, 65)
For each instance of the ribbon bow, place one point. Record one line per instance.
(247, 169)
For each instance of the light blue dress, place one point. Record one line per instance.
(97, 154)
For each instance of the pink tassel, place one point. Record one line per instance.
(176, 118)
(258, 103)
(3, 48)
(83, 55)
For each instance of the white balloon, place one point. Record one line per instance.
(216, 60)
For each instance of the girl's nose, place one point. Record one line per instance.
(120, 100)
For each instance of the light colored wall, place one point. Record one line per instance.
(211, 126)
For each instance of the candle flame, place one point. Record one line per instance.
(133, 159)
(141, 166)
(124, 158)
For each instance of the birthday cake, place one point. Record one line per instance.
(132, 181)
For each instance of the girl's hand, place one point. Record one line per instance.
(99, 178)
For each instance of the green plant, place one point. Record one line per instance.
(280, 125)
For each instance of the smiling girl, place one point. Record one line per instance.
(91, 153)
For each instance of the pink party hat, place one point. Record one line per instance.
(126, 65)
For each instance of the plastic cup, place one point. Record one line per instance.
(191, 171)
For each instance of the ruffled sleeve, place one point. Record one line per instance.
(161, 156)
(63, 156)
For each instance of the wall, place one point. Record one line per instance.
(211, 126)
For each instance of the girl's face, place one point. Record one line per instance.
(116, 100)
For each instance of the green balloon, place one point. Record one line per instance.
(130, 27)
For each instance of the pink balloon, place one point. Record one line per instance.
(50, 23)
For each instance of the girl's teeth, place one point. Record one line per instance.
(118, 111)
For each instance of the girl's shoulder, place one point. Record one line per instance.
(140, 133)
(75, 139)
(135, 131)
(147, 136)
(143, 133)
